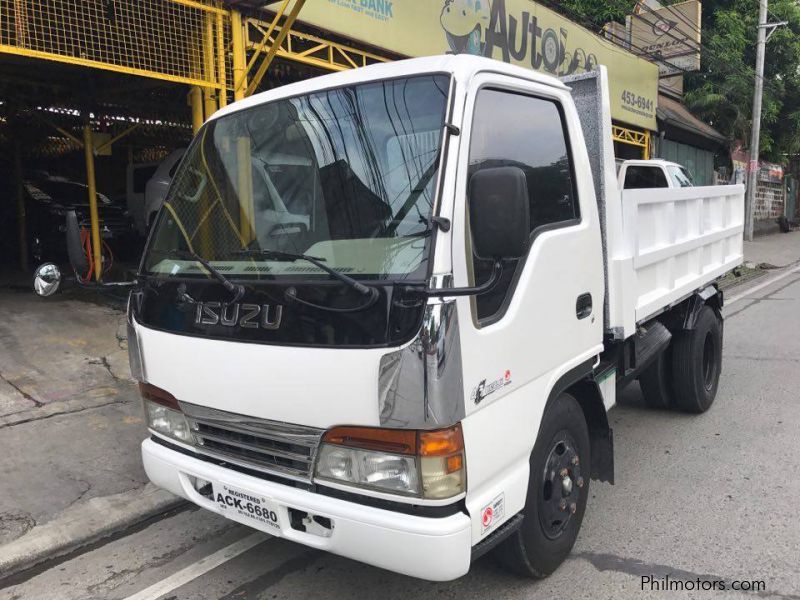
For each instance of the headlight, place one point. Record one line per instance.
(164, 415)
(388, 472)
(427, 464)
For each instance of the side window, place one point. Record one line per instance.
(174, 167)
(639, 177)
(512, 129)
(141, 175)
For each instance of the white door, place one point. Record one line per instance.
(545, 317)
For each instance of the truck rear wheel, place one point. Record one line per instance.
(656, 381)
(697, 363)
(558, 488)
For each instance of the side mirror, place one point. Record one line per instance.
(77, 257)
(46, 280)
(499, 213)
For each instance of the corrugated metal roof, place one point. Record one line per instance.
(675, 113)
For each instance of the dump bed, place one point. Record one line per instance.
(659, 245)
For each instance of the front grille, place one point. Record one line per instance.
(270, 446)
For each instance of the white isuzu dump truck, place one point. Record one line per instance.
(384, 312)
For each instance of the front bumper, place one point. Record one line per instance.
(437, 549)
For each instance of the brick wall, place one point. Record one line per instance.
(769, 200)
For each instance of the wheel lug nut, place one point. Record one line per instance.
(580, 482)
(563, 504)
(573, 508)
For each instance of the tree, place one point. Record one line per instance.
(721, 93)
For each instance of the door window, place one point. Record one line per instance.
(512, 129)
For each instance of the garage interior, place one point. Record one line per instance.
(95, 94)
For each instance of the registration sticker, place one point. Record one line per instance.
(493, 513)
(246, 507)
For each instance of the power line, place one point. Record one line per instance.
(710, 52)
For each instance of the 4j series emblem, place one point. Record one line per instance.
(249, 316)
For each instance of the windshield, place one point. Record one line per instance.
(680, 177)
(345, 175)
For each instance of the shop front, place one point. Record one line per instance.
(515, 31)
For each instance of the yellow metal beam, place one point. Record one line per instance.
(221, 63)
(273, 49)
(116, 138)
(196, 103)
(85, 62)
(239, 55)
(632, 137)
(75, 140)
(317, 52)
(209, 67)
(259, 48)
(92, 185)
(201, 6)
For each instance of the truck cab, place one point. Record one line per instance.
(412, 365)
(653, 173)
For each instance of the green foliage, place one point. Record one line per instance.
(721, 93)
(594, 13)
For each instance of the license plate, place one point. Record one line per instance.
(246, 507)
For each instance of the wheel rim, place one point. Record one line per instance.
(709, 362)
(561, 486)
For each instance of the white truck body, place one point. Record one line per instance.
(586, 288)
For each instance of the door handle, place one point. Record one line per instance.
(583, 306)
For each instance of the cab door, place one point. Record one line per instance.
(544, 320)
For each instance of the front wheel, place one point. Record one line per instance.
(558, 487)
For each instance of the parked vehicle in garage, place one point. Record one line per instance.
(146, 188)
(653, 173)
(414, 368)
(49, 197)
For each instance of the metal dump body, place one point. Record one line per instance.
(680, 240)
(659, 245)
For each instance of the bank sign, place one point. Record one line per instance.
(515, 31)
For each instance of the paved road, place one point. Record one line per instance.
(711, 497)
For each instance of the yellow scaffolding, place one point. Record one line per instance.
(633, 137)
(308, 49)
(161, 39)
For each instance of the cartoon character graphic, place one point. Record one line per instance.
(464, 22)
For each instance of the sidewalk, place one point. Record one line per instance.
(776, 249)
(70, 427)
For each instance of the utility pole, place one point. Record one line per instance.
(765, 30)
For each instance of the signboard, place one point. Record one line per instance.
(515, 31)
(672, 85)
(671, 33)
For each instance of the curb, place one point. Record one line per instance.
(83, 524)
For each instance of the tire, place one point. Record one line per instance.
(541, 544)
(697, 363)
(656, 382)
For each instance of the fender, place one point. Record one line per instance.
(710, 295)
(580, 382)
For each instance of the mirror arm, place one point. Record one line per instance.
(488, 285)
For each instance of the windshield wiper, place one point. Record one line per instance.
(237, 289)
(291, 293)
